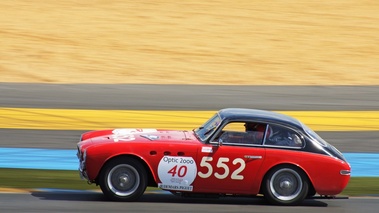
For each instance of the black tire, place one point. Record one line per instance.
(285, 185)
(311, 193)
(123, 179)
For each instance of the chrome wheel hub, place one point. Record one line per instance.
(285, 184)
(123, 180)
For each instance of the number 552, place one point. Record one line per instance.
(221, 163)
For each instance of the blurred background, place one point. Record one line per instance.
(244, 42)
(277, 55)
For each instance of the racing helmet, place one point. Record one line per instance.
(259, 131)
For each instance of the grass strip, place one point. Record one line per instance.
(33, 179)
(362, 186)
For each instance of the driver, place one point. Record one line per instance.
(281, 137)
(254, 132)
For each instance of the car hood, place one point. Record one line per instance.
(145, 135)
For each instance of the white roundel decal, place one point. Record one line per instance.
(132, 131)
(128, 134)
(177, 173)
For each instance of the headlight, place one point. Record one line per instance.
(79, 154)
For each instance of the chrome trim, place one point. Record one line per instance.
(345, 172)
(82, 163)
(79, 154)
(253, 157)
(83, 175)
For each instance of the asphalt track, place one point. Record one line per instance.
(72, 201)
(179, 97)
(185, 97)
(188, 97)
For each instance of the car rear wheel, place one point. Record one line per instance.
(123, 179)
(285, 186)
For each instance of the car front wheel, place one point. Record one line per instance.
(285, 186)
(123, 179)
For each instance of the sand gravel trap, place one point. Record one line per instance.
(190, 42)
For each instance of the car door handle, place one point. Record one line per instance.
(253, 157)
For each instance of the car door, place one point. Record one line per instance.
(229, 166)
(228, 169)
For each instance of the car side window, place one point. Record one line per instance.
(242, 133)
(281, 136)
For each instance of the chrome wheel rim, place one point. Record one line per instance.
(286, 184)
(123, 180)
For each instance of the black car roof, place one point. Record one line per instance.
(255, 114)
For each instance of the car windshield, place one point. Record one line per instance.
(314, 135)
(207, 129)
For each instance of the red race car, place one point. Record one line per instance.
(239, 152)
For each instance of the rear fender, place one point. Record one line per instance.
(283, 164)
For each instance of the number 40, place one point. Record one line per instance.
(182, 171)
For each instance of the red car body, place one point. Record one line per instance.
(204, 161)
